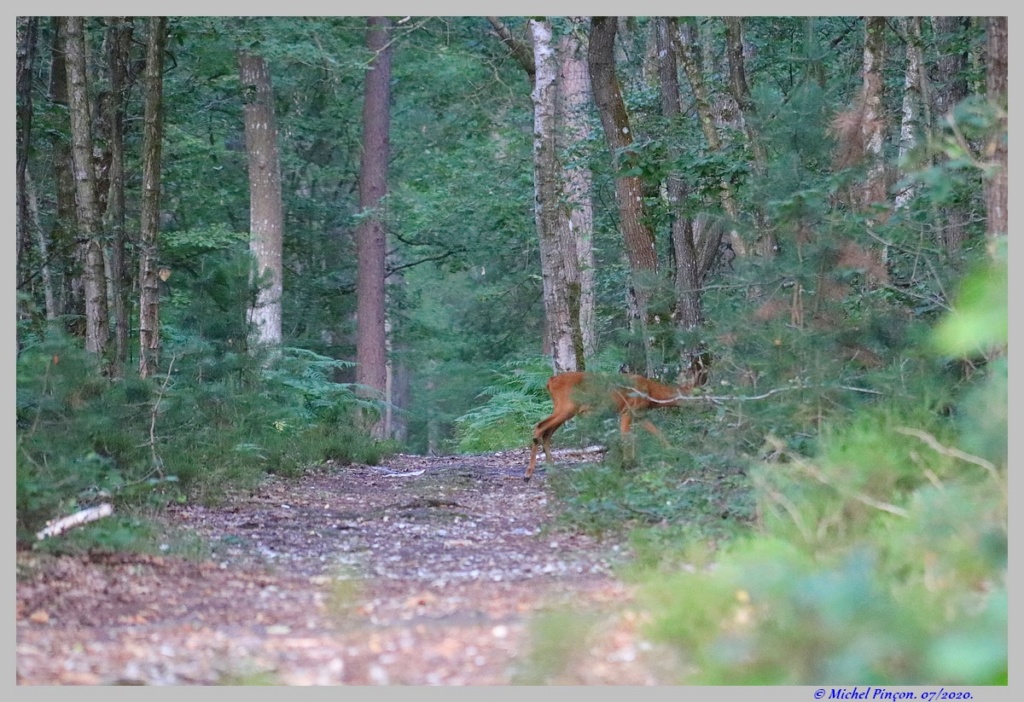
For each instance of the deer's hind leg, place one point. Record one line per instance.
(542, 439)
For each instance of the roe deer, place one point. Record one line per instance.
(575, 392)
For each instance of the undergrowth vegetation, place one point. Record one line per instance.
(213, 423)
(832, 507)
(871, 551)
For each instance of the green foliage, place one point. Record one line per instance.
(130, 530)
(79, 437)
(215, 422)
(770, 614)
(875, 473)
(979, 320)
(514, 404)
(664, 493)
(882, 559)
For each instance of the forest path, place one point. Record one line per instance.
(426, 570)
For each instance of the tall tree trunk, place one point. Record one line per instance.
(873, 121)
(35, 225)
(689, 306)
(688, 45)
(573, 133)
(996, 87)
(950, 63)
(27, 31)
(559, 266)
(152, 141)
(766, 244)
(94, 278)
(371, 239)
(741, 90)
(563, 193)
(950, 89)
(639, 239)
(119, 40)
(911, 117)
(401, 378)
(63, 226)
(266, 210)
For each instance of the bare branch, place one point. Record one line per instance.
(59, 526)
(948, 451)
(520, 51)
(157, 461)
(815, 473)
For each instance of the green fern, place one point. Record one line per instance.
(514, 403)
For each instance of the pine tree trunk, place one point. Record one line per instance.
(766, 244)
(152, 141)
(950, 63)
(996, 88)
(94, 278)
(950, 89)
(266, 210)
(371, 240)
(741, 90)
(63, 226)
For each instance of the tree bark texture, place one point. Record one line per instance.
(559, 266)
(950, 64)
(689, 55)
(87, 206)
(873, 117)
(639, 240)
(766, 244)
(119, 41)
(371, 239)
(62, 228)
(562, 188)
(149, 216)
(741, 90)
(266, 210)
(689, 306)
(910, 121)
(27, 32)
(950, 88)
(573, 87)
(996, 86)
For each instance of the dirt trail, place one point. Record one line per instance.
(422, 571)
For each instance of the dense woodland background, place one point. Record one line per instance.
(249, 245)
